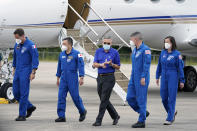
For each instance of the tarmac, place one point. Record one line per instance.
(44, 93)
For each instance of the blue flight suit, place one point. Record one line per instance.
(25, 59)
(67, 70)
(136, 93)
(170, 68)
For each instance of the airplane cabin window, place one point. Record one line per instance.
(155, 1)
(129, 1)
(180, 1)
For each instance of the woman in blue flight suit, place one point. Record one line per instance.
(170, 68)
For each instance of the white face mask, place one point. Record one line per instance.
(64, 48)
(132, 44)
(106, 47)
(18, 41)
(167, 46)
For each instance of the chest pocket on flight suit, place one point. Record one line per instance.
(139, 58)
(63, 63)
(25, 55)
(71, 63)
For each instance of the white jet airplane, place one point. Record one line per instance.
(46, 22)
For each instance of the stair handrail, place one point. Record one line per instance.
(84, 21)
(108, 25)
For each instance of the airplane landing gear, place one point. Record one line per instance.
(190, 79)
(5, 77)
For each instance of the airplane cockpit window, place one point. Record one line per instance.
(155, 1)
(180, 1)
(129, 1)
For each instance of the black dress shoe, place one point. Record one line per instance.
(115, 122)
(147, 114)
(83, 116)
(60, 119)
(20, 118)
(30, 110)
(138, 125)
(96, 124)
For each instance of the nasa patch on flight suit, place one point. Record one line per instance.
(137, 54)
(69, 58)
(170, 57)
(23, 50)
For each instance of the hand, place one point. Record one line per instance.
(81, 81)
(13, 72)
(157, 82)
(181, 85)
(58, 82)
(32, 76)
(103, 65)
(142, 81)
(109, 62)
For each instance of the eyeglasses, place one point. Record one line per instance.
(106, 43)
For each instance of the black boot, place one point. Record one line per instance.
(83, 116)
(96, 123)
(20, 118)
(115, 122)
(139, 125)
(30, 111)
(60, 119)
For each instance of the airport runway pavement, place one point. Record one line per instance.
(44, 95)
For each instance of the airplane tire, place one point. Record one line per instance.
(190, 79)
(7, 92)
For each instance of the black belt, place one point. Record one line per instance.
(106, 74)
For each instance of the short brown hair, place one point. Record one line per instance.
(19, 31)
(173, 41)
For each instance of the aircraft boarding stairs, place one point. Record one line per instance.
(87, 47)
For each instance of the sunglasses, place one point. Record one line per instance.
(106, 43)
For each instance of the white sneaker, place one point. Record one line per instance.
(167, 123)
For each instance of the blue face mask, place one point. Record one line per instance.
(106, 47)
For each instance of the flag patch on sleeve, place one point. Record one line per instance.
(33, 46)
(80, 55)
(180, 57)
(148, 52)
